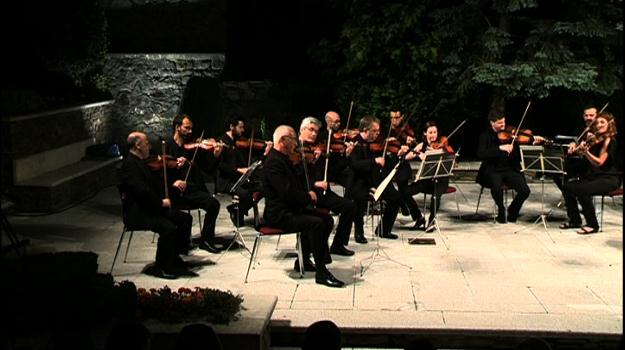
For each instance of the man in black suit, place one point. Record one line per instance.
(501, 164)
(195, 195)
(287, 205)
(147, 208)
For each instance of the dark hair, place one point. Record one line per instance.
(128, 335)
(495, 115)
(233, 121)
(366, 122)
(196, 336)
(322, 335)
(428, 125)
(178, 121)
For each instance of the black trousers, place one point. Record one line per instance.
(495, 179)
(174, 230)
(582, 191)
(246, 201)
(345, 208)
(392, 199)
(315, 227)
(196, 198)
(428, 186)
(404, 173)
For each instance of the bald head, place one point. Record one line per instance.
(333, 120)
(284, 139)
(138, 144)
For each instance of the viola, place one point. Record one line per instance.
(244, 143)
(204, 144)
(156, 162)
(442, 143)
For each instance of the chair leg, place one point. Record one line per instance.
(253, 255)
(477, 207)
(601, 215)
(119, 244)
(199, 219)
(128, 246)
(300, 254)
(278, 242)
(457, 205)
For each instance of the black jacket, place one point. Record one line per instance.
(365, 170)
(493, 159)
(284, 192)
(143, 190)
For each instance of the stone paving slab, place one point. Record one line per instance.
(479, 275)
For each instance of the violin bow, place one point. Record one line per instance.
(516, 132)
(456, 129)
(249, 156)
(325, 170)
(193, 159)
(349, 117)
(579, 138)
(301, 150)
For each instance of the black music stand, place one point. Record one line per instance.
(238, 237)
(541, 160)
(436, 165)
(375, 195)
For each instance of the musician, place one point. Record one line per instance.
(403, 133)
(233, 164)
(430, 143)
(501, 164)
(367, 175)
(287, 203)
(146, 207)
(601, 177)
(195, 195)
(326, 198)
(338, 163)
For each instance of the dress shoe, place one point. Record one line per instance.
(209, 247)
(308, 266)
(340, 249)
(180, 271)
(327, 279)
(419, 224)
(361, 239)
(501, 216)
(159, 272)
(512, 216)
(389, 235)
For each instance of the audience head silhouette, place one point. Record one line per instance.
(322, 335)
(198, 336)
(130, 335)
(420, 344)
(533, 344)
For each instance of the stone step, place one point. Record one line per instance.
(58, 189)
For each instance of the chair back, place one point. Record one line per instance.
(121, 188)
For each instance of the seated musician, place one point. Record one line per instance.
(233, 164)
(501, 164)
(147, 207)
(368, 174)
(313, 172)
(338, 164)
(287, 205)
(403, 134)
(430, 143)
(195, 195)
(602, 177)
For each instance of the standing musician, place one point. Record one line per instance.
(195, 195)
(431, 142)
(403, 134)
(326, 198)
(501, 164)
(287, 205)
(147, 207)
(601, 177)
(367, 175)
(232, 165)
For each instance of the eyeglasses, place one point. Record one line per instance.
(311, 129)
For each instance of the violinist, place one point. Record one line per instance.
(287, 203)
(146, 207)
(195, 194)
(326, 198)
(431, 142)
(501, 163)
(338, 163)
(367, 175)
(233, 164)
(402, 134)
(600, 153)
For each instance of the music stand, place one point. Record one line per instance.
(375, 195)
(541, 160)
(238, 237)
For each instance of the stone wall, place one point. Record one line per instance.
(148, 88)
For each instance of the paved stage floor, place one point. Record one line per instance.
(477, 276)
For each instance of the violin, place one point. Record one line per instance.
(523, 136)
(204, 144)
(156, 162)
(244, 143)
(346, 134)
(378, 147)
(442, 143)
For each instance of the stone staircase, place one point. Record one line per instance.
(45, 153)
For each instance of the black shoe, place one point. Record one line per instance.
(209, 247)
(501, 216)
(340, 249)
(327, 279)
(419, 224)
(180, 271)
(159, 272)
(308, 266)
(361, 239)
(389, 235)
(512, 216)
(431, 228)
(404, 210)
